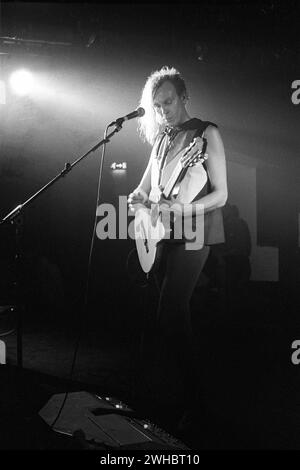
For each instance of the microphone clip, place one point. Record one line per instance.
(118, 124)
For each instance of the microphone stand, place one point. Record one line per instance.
(16, 219)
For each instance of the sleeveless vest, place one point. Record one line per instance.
(164, 157)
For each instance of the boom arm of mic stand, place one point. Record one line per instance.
(68, 167)
(15, 217)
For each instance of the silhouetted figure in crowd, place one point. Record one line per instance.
(232, 258)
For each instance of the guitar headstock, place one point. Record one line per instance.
(195, 152)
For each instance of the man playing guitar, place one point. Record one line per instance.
(168, 127)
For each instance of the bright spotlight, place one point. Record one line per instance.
(21, 82)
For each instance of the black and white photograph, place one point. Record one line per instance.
(149, 229)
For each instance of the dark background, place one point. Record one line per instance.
(239, 60)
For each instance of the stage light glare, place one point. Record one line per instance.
(21, 82)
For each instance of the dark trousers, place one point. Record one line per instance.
(176, 278)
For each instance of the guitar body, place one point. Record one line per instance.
(149, 229)
(147, 236)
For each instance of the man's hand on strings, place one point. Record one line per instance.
(135, 201)
(165, 208)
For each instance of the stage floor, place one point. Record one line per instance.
(250, 388)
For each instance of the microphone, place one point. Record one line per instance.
(139, 112)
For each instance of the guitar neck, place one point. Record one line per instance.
(185, 158)
(173, 179)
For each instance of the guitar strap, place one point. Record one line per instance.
(171, 133)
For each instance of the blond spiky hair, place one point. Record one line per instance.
(148, 126)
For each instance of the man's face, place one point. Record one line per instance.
(169, 107)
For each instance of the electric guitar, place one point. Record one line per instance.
(148, 226)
